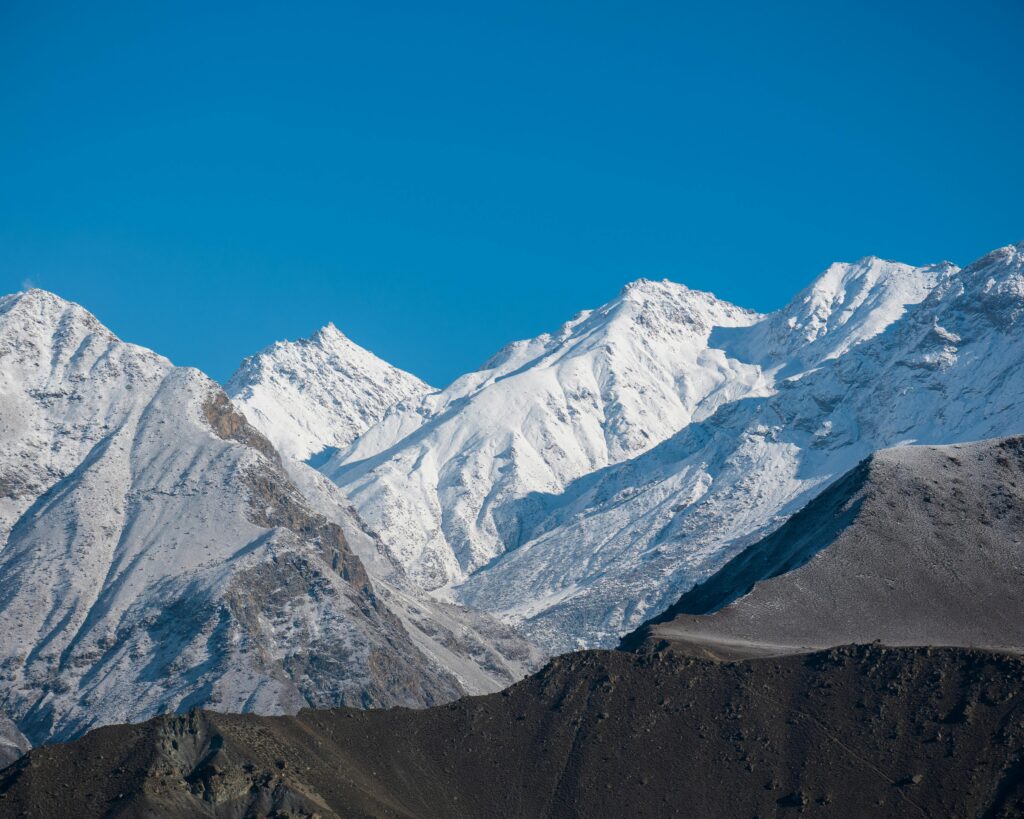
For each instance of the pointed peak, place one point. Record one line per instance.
(681, 304)
(327, 336)
(648, 288)
(1006, 256)
(329, 332)
(842, 281)
(42, 305)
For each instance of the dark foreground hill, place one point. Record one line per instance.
(851, 732)
(918, 545)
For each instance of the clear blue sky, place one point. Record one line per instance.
(439, 179)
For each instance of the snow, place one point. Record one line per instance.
(433, 477)
(573, 486)
(151, 563)
(317, 394)
(646, 530)
(582, 480)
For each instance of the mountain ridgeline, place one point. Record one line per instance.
(579, 482)
(330, 531)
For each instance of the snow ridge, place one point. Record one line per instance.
(157, 551)
(947, 371)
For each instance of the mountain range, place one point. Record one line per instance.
(327, 530)
(579, 481)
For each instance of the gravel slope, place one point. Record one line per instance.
(915, 546)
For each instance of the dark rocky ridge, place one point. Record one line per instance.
(850, 732)
(916, 546)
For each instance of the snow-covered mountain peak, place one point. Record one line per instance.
(871, 293)
(66, 382)
(643, 288)
(676, 303)
(156, 553)
(40, 312)
(319, 393)
(992, 287)
(1004, 264)
(845, 305)
(898, 355)
(329, 335)
(607, 385)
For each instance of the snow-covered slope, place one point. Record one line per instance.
(434, 476)
(581, 481)
(618, 544)
(159, 554)
(456, 479)
(65, 384)
(844, 306)
(316, 395)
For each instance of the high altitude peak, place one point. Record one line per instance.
(849, 302)
(317, 394)
(845, 282)
(1010, 256)
(39, 311)
(669, 306)
(329, 332)
(37, 296)
(644, 284)
(644, 289)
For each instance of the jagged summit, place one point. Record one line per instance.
(318, 393)
(329, 335)
(653, 287)
(1000, 271)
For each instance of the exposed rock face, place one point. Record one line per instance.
(159, 554)
(228, 423)
(854, 732)
(915, 546)
(12, 742)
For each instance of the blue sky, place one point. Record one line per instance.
(439, 179)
